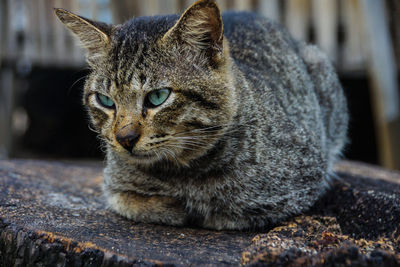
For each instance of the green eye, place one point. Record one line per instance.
(105, 101)
(157, 97)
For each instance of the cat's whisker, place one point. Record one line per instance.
(72, 86)
(201, 134)
(157, 155)
(206, 128)
(209, 132)
(163, 156)
(205, 135)
(172, 155)
(193, 144)
(180, 146)
(190, 137)
(93, 130)
(191, 140)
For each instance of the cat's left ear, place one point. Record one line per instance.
(200, 27)
(95, 36)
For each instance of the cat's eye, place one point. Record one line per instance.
(157, 97)
(105, 101)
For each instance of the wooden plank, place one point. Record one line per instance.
(297, 18)
(26, 52)
(168, 7)
(75, 45)
(34, 30)
(325, 21)
(124, 9)
(60, 49)
(393, 7)
(104, 12)
(45, 49)
(148, 7)
(187, 3)
(10, 45)
(6, 107)
(242, 5)
(382, 71)
(223, 4)
(270, 9)
(3, 21)
(352, 54)
(94, 9)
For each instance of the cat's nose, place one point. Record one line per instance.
(128, 137)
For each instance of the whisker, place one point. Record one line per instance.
(72, 86)
(206, 134)
(191, 137)
(209, 132)
(181, 147)
(158, 156)
(190, 141)
(186, 141)
(93, 130)
(173, 156)
(202, 129)
(194, 141)
(193, 145)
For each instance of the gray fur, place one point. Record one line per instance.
(265, 116)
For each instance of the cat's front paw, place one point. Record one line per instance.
(148, 209)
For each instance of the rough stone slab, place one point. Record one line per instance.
(53, 214)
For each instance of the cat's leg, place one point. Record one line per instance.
(149, 209)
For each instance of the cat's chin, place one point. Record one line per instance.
(141, 158)
(151, 159)
(144, 159)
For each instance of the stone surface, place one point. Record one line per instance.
(53, 214)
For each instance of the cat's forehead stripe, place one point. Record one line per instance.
(130, 61)
(121, 61)
(133, 44)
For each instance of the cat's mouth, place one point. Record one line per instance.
(141, 155)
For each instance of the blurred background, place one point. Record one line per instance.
(42, 69)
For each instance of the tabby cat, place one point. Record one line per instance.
(223, 122)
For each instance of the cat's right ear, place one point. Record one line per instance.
(200, 28)
(95, 36)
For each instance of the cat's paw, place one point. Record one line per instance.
(148, 209)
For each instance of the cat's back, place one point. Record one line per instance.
(296, 76)
(255, 40)
(270, 60)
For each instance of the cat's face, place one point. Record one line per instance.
(161, 90)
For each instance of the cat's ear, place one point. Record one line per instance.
(200, 26)
(95, 36)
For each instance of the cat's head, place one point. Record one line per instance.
(161, 87)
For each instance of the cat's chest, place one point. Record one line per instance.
(197, 189)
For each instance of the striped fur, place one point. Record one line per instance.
(248, 135)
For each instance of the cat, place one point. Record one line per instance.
(221, 122)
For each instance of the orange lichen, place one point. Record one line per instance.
(76, 246)
(67, 242)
